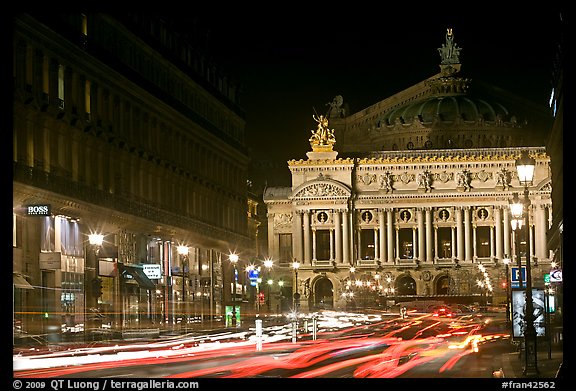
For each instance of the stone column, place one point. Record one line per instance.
(397, 258)
(414, 243)
(346, 237)
(298, 245)
(507, 228)
(338, 235)
(382, 238)
(492, 247)
(421, 242)
(475, 241)
(453, 239)
(331, 244)
(436, 242)
(376, 245)
(314, 257)
(390, 230)
(306, 241)
(541, 226)
(459, 235)
(467, 234)
(429, 242)
(272, 238)
(498, 232)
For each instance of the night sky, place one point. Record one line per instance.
(293, 61)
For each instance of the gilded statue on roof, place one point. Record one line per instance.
(323, 137)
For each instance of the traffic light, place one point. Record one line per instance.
(261, 298)
(296, 301)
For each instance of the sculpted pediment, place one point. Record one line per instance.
(321, 187)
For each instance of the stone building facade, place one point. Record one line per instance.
(409, 198)
(122, 127)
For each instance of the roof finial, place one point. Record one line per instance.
(448, 82)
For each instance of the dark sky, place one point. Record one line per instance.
(292, 61)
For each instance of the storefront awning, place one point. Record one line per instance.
(20, 282)
(138, 275)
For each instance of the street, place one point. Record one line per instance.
(347, 345)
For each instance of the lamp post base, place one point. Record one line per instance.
(233, 319)
(531, 367)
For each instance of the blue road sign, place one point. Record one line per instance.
(253, 274)
(515, 277)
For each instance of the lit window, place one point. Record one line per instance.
(61, 85)
(87, 97)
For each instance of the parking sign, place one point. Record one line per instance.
(515, 277)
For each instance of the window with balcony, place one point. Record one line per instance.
(367, 245)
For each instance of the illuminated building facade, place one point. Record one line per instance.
(122, 127)
(409, 198)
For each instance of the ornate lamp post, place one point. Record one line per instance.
(295, 266)
(268, 263)
(234, 260)
(281, 295)
(92, 282)
(295, 302)
(270, 282)
(525, 167)
(506, 261)
(389, 290)
(378, 287)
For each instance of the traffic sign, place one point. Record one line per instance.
(515, 277)
(556, 275)
(253, 274)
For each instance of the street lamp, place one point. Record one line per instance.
(234, 260)
(516, 208)
(295, 301)
(506, 262)
(92, 282)
(281, 295)
(485, 284)
(525, 167)
(295, 266)
(270, 283)
(268, 263)
(183, 253)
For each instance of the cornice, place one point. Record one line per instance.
(445, 158)
(320, 162)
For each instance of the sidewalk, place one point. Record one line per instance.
(548, 362)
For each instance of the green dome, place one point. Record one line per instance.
(449, 109)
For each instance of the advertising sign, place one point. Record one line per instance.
(229, 315)
(38, 210)
(519, 311)
(50, 260)
(551, 304)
